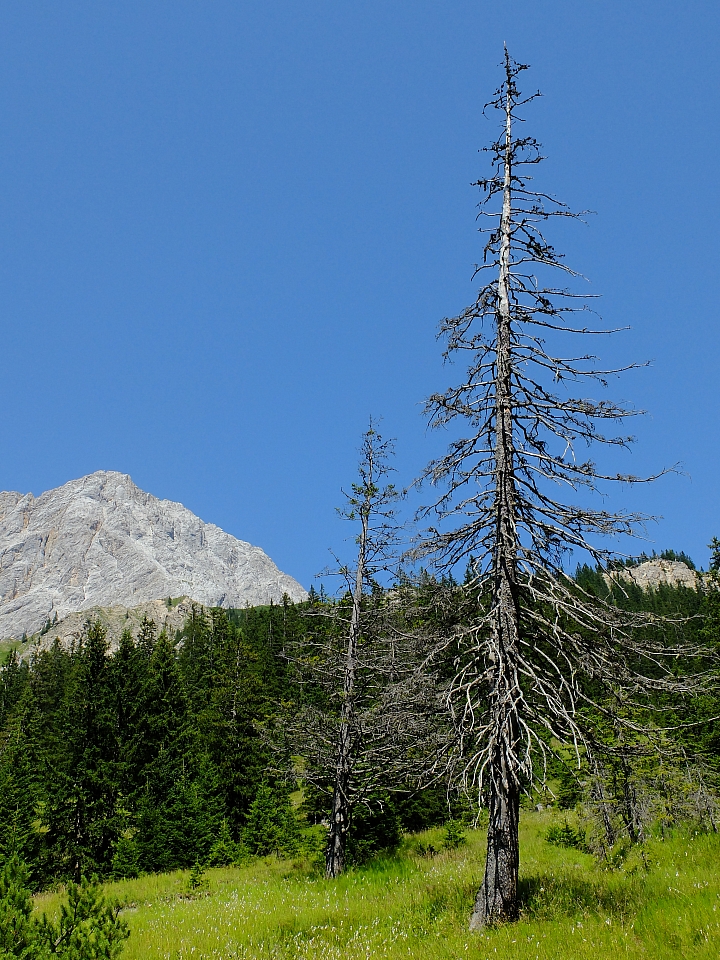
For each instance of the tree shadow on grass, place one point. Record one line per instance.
(549, 896)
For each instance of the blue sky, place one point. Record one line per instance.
(228, 232)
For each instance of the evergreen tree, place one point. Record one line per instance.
(14, 678)
(89, 928)
(196, 659)
(128, 677)
(226, 728)
(18, 931)
(21, 793)
(80, 810)
(271, 826)
(225, 851)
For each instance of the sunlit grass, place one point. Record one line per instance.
(415, 906)
(7, 647)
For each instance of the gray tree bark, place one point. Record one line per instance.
(497, 898)
(341, 805)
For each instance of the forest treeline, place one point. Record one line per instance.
(158, 755)
(164, 752)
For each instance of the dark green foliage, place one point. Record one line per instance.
(14, 679)
(126, 858)
(151, 758)
(197, 878)
(272, 826)
(563, 835)
(79, 811)
(20, 793)
(89, 927)
(570, 790)
(147, 759)
(419, 809)
(682, 557)
(226, 721)
(591, 580)
(375, 828)
(18, 932)
(225, 851)
(453, 836)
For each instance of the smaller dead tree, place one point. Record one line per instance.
(648, 780)
(367, 720)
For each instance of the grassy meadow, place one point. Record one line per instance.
(661, 903)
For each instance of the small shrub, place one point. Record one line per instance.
(454, 836)
(197, 879)
(89, 927)
(616, 856)
(425, 849)
(566, 836)
(224, 851)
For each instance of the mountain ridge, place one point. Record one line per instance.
(102, 541)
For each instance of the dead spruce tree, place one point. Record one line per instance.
(539, 653)
(372, 722)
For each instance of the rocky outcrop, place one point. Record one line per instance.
(101, 542)
(654, 573)
(166, 616)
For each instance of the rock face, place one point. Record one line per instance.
(101, 541)
(652, 573)
(115, 619)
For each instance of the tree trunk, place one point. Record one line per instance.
(344, 754)
(340, 815)
(497, 899)
(598, 794)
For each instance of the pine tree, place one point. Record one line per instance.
(224, 851)
(196, 659)
(18, 931)
(227, 727)
(81, 806)
(89, 927)
(271, 825)
(14, 678)
(20, 793)
(128, 676)
(159, 754)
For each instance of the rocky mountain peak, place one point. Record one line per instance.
(102, 541)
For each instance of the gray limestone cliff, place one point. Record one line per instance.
(101, 541)
(655, 573)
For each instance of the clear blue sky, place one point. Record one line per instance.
(228, 231)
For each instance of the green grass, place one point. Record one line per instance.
(7, 647)
(414, 906)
